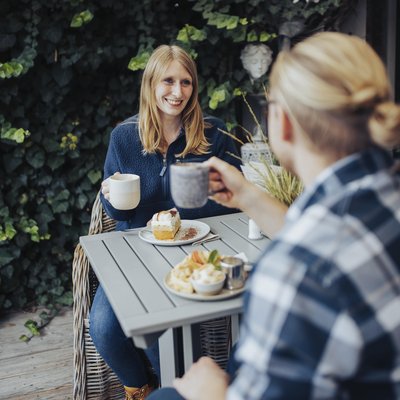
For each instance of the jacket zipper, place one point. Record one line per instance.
(164, 177)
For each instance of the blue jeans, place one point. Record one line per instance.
(128, 362)
(165, 394)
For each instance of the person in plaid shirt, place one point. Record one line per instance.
(322, 313)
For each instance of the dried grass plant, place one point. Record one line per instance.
(278, 182)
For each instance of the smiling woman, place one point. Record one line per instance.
(169, 128)
(169, 102)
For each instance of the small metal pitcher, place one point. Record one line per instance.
(235, 273)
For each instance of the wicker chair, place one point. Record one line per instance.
(93, 379)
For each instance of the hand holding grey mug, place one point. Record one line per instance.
(189, 184)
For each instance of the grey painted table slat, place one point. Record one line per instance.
(111, 277)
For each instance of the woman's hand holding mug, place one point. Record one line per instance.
(122, 190)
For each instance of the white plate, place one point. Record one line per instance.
(224, 294)
(200, 230)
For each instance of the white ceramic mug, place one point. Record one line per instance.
(189, 184)
(124, 191)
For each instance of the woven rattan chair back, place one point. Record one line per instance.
(93, 379)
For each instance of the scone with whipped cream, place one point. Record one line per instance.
(165, 224)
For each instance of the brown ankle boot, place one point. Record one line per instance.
(139, 393)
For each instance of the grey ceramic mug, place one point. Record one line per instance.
(189, 184)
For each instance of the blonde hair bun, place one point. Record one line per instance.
(384, 124)
(337, 91)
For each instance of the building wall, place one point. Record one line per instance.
(377, 22)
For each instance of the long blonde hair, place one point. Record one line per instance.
(335, 88)
(150, 128)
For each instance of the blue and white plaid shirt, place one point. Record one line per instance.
(322, 316)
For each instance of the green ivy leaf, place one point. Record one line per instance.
(230, 126)
(44, 316)
(60, 207)
(59, 203)
(58, 291)
(8, 232)
(29, 226)
(252, 36)
(66, 299)
(66, 219)
(265, 36)
(10, 69)
(232, 22)
(183, 35)
(139, 62)
(94, 176)
(14, 134)
(239, 34)
(32, 326)
(189, 32)
(81, 19)
(6, 256)
(217, 96)
(8, 271)
(24, 338)
(61, 75)
(45, 214)
(274, 9)
(21, 64)
(221, 20)
(42, 299)
(36, 157)
(63, 195)
(81, 201)
(11, 162)
(213, 39)
(55, 161)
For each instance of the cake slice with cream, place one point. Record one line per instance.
(165, 224)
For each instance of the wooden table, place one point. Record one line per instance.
(132, 272)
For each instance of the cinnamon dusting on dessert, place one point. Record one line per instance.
(189, 234)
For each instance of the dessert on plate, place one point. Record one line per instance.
(208, 280)
(200, 271)
(165, 224)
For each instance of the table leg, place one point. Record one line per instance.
(187, 346)
(167, 357)
(235, 328)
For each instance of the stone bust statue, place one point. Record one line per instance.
(256, 58)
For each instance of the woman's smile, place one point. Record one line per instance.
(174, 102)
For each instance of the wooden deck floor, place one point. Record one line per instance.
(41, 369)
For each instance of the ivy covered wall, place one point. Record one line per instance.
(69, 72)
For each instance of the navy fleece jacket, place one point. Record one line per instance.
(125, 155)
